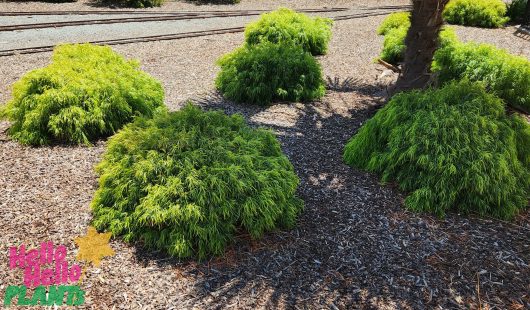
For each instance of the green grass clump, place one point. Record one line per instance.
(186, 182)
(86, 92)
(285, 26)
(268, 72)
(136, 3)
(508, 76)
(516, 10)
(481, 13)
(394, 21)
(452, 148)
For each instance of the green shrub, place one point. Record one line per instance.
(505, 74)
(516, 10)
(481, 13)
(452, 148)
(135, 3)
(86, 92)
(216, 1)
(393, 21)
(287, 26)
(268, 72)
(185, 182)
(394, 44)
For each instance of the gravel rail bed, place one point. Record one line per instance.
(355, 245)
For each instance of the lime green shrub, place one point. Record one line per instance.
(393, 21)
(508, 76)
(86, 92)
(286, 26)
(394, 44)
(135, 3)
(481, 13)
(185, 182)
(516, 9)
(452, 148)
(268, 72)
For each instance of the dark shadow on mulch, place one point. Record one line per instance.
(355, 245)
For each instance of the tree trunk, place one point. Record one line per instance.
(526, 18)
(421, 42)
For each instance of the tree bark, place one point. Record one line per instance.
(421, 42)
(526, 18)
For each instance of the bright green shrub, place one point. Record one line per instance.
(135, 3)
(481, 13)
(505, 74)
(393, 21)
(268, 72)
(516, 9)
(394, 44)
(287, 26)
(452, 148)
(86, 92)
(185, 182)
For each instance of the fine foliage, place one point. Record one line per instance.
(505, 74)
(481, 13)
(135, 3)
(452, 148)
(268, 72)
(285, 26)
(394, 44)
(86, 92)
(186, 182)
(516, 10)
(393, 21)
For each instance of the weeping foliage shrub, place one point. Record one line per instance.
(185, 182)
(516, 10)
(394, 44)
(508, 76)
(135, 3)
(285, 26)
(393, 21)
(268, 72)
(86, 92)
(481, 13)
(452, 148)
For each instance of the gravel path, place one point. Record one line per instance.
(355, 245)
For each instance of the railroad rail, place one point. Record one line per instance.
(147, 12)
(175, 36)
(181, 16)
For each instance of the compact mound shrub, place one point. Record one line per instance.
(135, 3)
(452, 148)
(393, 21)
(508, 76)
(286, 26)
(186, 182)
(481, 13)
(86, 92)
(516, 10)
(269, 72)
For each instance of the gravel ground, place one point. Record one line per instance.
(355, 245)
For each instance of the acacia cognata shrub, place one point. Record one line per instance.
(86, 92)
(268, 72)
(516, 10)
(508, 76)
(393, 21)
(285, 26)
(136, 3)
(481, 13)
(452, 148)
(184, 182)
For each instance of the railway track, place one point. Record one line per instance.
(175, 36)
(180, 16)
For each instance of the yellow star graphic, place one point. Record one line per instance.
(94, 246)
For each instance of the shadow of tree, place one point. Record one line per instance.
(355, 246)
